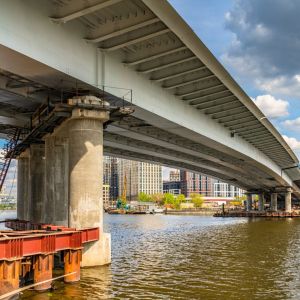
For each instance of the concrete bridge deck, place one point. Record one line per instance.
(189, 112)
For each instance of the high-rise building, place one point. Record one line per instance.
(173, 185)
(139, 177)
(110, 176)
(174, 175)
(114, 184)
(106, 169)
(196, 183)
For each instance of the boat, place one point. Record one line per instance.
(156, 210)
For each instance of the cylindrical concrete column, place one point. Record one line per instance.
(85, 132)
(23, 185)
(273, 205)
(86, 172)
(249, 202)
(288, 200)
(37, 181)
(261, 202)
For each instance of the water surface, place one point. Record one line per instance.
(192, 257)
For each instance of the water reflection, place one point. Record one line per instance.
(190, 257)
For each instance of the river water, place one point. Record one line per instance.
(192, 257)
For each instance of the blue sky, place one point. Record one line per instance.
(259, 44)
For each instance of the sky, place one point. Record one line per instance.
(258, 42)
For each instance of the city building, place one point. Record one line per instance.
(9, 189)
(106, 197)
(201, 184)
(174, 175)
(110, 176)
(222, 189)
(135, 177)
(113, 183)
(196, 183)
(172, 187)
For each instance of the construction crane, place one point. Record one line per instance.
(124, 191)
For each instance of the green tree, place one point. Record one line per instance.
(168, 199)
(181, 198)
(178, 200)
(197, 199)
(144, 197)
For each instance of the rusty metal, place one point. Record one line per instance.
(72, 259)
(42, 268)
(7, 296)
(27, 253)
(19, 244)
(9, 276)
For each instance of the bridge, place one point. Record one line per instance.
(127, 78)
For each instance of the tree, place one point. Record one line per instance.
(197, 199)
(158, 198)
(238, 200)
(144, 197)
(181, 198)
(178, 200)
(168, 199)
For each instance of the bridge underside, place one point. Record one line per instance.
(136, 136)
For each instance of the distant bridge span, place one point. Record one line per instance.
(189, 112)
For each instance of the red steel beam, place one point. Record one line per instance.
(23, 244)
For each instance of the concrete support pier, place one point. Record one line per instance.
(261, 202)
(60, 182)
(74, 174)
(288, 200)
(37, 181)
(273, 205)
(31, 183)
(55, 208)
(85, 129)
(249, 201)
(23, 186)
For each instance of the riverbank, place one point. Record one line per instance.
(192, 212)
(8, 207)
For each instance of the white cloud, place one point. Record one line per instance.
(292, 124)
(263, 31)
(292, 142)
(283, 85)
(272, 107)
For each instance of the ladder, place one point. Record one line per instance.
(7, 154)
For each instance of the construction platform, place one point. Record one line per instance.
(27, 254)
(258, 214)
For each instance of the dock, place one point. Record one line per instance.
(257, 214)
